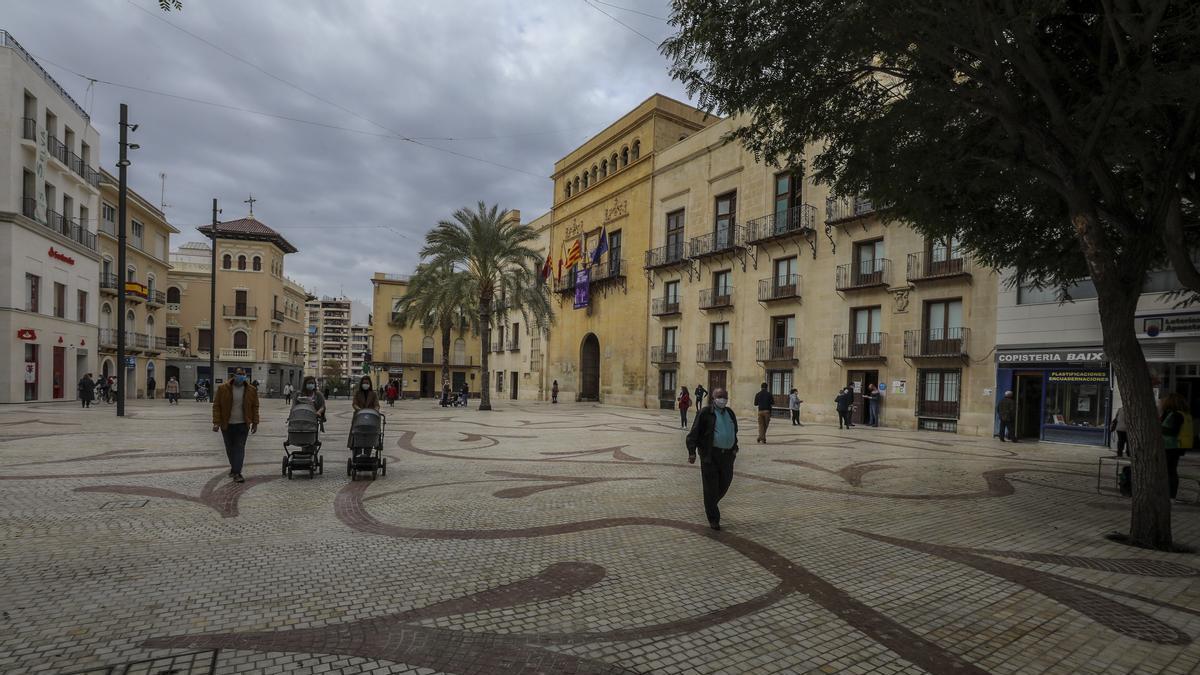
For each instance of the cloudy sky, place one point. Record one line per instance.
(518, 83)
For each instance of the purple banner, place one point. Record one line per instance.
(583, 280)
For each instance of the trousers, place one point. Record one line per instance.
(1008, 431)
(716, 472)
(844, 419)
(764, 421)
(796, 416)
(235, 436)
(683, 417)
(1173, 456)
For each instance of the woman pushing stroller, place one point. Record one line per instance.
(310, 394)
(365, 397)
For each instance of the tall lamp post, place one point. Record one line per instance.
(212, 309)
(122, 194)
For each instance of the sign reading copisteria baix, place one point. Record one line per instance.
(1051, 356)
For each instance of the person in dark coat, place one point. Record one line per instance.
(714, 438)
(844, 402)
(763, 402)
(1007, 410)
(87, 391)
(683, 402)
(151, 385)
(700, 392)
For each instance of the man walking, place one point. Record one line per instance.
(87, 391)
(714, 438)
(1008, 415)
(700, 393)
(235, 415)
(844, 401)
(794, 406)
(763, 402)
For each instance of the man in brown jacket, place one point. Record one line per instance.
(235, 415)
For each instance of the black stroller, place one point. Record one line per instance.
(303, 429)
(366, 444)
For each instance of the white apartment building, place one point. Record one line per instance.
(328, 338)
(360, 346)
(49, 205)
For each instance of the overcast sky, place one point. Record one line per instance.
(522, 82)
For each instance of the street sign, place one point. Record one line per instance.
(131, 362)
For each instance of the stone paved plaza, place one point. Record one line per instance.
(570, 539)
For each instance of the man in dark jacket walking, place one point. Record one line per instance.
(87, 390)
(844, 401)
(762, 403)
(700, 392)
(714, 438)
(1008, 415)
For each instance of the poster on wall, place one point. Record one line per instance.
(30, 372)
(900, 386)
(582, 283)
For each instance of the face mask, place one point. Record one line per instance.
(310, 386)
(366, 387)
(239, 379)
(721, 402)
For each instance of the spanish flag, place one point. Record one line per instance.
(574, 254)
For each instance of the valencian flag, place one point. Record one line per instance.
(546, 268)
(574, 254)
(601, 246)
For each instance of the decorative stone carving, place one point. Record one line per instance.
(619, 209)
(901, 297)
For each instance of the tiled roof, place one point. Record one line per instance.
(249, 228)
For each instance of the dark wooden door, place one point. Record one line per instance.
(512, 391)
(1029, 405)
(716, 380)
(865, 378)
(427, 384)
(589, 369)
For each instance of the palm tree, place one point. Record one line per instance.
(438, 298)
(495, 253)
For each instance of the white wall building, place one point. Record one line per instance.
(49, 205)
(329, 336)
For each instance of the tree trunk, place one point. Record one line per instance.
(445, 353)
(485, 337)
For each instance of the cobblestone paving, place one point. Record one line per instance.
(570, 539)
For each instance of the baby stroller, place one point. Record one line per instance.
(303, 427)
(366, 444)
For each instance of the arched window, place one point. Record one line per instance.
(604, 168)
(612, 162)
(150, 325)
(239, 339)
(624, 157)
(257, 264)
(637, 150)
(173, 295)
(241, 262)
(150, 285)
(396, 349)
(595, 173)
(568, 188)
(577, 183)
(427, 350)
(105, 316)
(226, 261)
(130, 326)
(585, 180)
(131, 273)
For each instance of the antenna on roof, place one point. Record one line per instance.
(162, 197)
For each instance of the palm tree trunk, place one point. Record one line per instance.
(446, 351)
(485, 338)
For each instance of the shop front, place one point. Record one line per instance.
(1062, 395)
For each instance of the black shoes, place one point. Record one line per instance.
(237, 478)
(714, 525)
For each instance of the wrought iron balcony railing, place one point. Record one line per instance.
(108, 283)
(664, 306)
(927, 267)
(665, 256)
(936, 343)
(784, 287)
(798, 219)
(859, 346)
(864, 274)
(724, 240)
(840, 209)
(664, 354)
(716, 298)
(712, 353)
(239, 311)
(776, 350)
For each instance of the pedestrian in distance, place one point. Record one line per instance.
(172, 391)
(87, 390)
(365, 397)
(794, 406)
(326, 391)
(763, 402)
(683, 403)
(714, 438)
(113, 389)
(554, 392)
(1119, 426)
(287, 393)
(845, 405)
(1177, 433)
(700, 392)
(466, 393)
(445, 394)
(390, 393)
(872, 398)
(235, 415)
(102, 388)
(151, 385)
(1007, 411)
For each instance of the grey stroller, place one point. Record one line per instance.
(303, 433)
(366, 444)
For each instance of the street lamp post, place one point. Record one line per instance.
(212, 308)
(122, 195)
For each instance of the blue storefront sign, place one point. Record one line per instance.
(1062, 395)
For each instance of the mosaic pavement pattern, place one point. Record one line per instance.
(570, 539)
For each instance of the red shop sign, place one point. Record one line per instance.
(59, 255)
(26, 334)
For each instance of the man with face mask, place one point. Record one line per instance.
(714, 438)
(235, 415)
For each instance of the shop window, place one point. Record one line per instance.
(31, 372)
(1075, 398)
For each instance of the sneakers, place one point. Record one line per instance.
(232, 473)
(237, 478)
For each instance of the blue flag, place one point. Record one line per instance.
(601, 246)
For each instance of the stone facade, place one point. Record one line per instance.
(518, 350)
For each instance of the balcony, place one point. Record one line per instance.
(513, 344)
(936, 343)
(785, 287)
(664, 306)
(236, 354)
(394, 319)
(608, 270)
(664, 355)
(716, 243)
(174, 351)
(239, 312)
(665, 256)
(155, 298)
(155, 343)
(29, 129)
(278, 356)
(843, 209)
(462, 360)
(872, 273)
(716, 298)
(108, 338)
(277, 315)
(859, 347)
(61, 225)
(797, 220)
(712, 353)
(925, 267)
(778, 350)
(108, 283)
(172, 307)
(57, 149)
(497, 346)
(136, 292)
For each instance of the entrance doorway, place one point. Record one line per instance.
(1029, 404)
(716, 380)
(81, 365)
(858, 381)
(589, 369)
(59, 373)
(512, 391)
(457, 380)
(427, 384)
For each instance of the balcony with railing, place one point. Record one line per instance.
(513, 344)
(871, 273)
(277, 315)
(60, 224)
(924, 266)
(57, 149)
(497, 346)
(156, 298)
(612, 269)
(859, 346)
(797, 220)
(777, 350)
(29, 129)
(108, 338)
(844, 209)
(716, 298)
(664, 306)
(937, 343)
(665, 256)
(664, 354)
(712, 353)
(462, 360)
(786, 287)
(108, 283)
(236, 354)
(136, 292)
(155, 343)
(239, 312)
(720, 242)
(278, 356)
